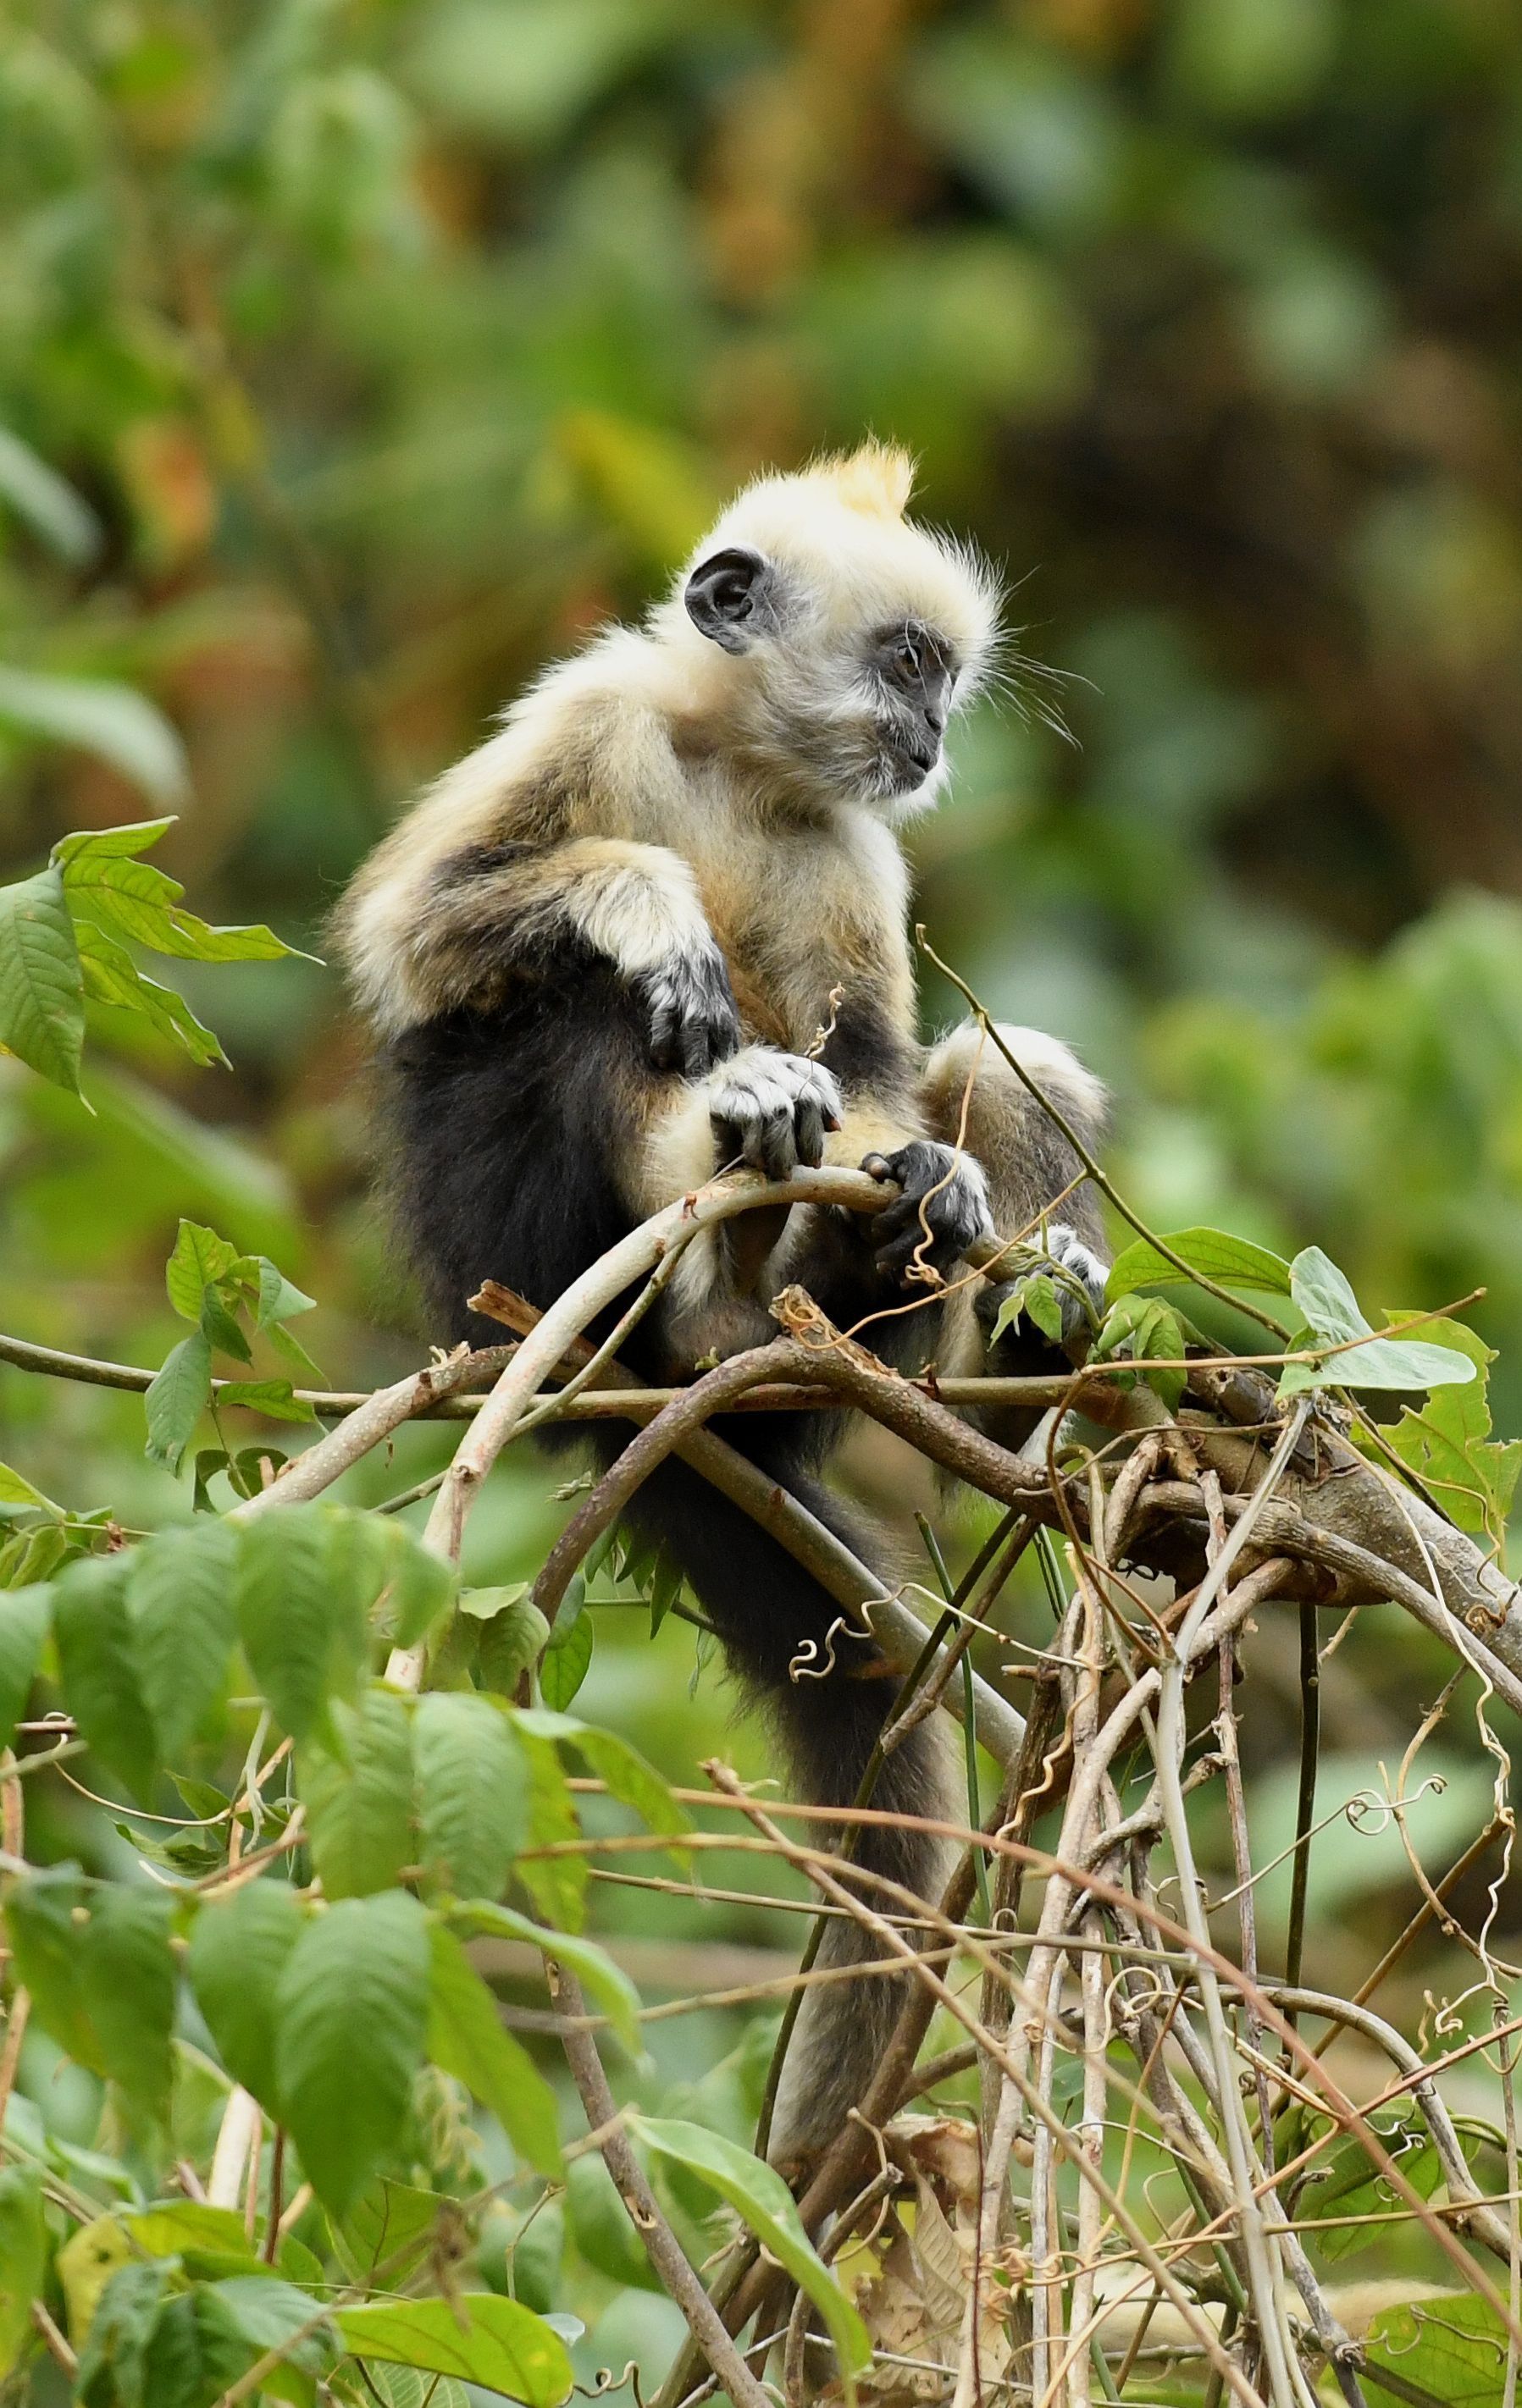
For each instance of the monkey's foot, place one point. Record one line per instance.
(943, 1206)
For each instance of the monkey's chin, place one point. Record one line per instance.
(905, 787)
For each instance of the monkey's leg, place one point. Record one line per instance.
(969, 1092)
(827, 1694)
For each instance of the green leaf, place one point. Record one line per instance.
(144, 902)
(405, 2386)
(113, 2364)
(1214, 1254)
(24, 1615)
(511, 1632)
(353, 2004)
(270, 2314)
(471, 1790)
(1347, 2185)
(1323, 1296)
(601, 2227)
(238, 1951)
(301, 1612)
(556, 1884)
(41, 984)
(17, 1495)
(1447, 1442)
(23, 2258)
(112, 976)
(180, 1604)
(280, 1299)
(43, 1918)
(358, 1796)
(400, 1585)
(104, 844)
(477, 2338)
(386, 2219)
(608, 1982)
(1453, 2347)
(665, 1590)
(272, 1398)
(193, 2354)
(127, 1983)
(1141, 1329)
(186, 2228)
(758, 2194)
(50, 508)
(629, 1776)
(466, 2038)
(199, 1259)
(179, 1396)
(111, 721)
(97, 1660)
(563, 1666)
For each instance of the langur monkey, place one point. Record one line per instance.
(597, 959)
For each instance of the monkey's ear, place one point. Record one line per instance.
(727, 596)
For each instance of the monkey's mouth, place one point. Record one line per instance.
(908, 761)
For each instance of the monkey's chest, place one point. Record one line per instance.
(809, 935)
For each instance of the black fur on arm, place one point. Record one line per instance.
(498, 914)
(503, 1133)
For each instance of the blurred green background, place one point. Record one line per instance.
(389, 345)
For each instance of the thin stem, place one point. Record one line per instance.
(1306, 1803)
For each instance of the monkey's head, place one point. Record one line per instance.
(849, 633)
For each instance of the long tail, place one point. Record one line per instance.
(827, 1694)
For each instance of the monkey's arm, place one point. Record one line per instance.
(490, 915)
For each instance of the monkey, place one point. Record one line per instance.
(656, 925)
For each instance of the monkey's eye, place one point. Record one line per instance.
(906, 657)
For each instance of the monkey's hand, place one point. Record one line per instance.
(771, 1110)
(943, 1192)
(1080, 1284)
(690, 1007)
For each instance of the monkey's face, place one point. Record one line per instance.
(837, 703)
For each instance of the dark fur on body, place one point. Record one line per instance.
(503, 1135)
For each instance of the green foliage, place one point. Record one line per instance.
(352, 2005)
(239, 1950)
(472, 1792)
(1140, 1330)
(1214, 1254)
(465, 2037)
(491, 2342)
(1332, 1313)
(60, 930)
(1451, 2348)
(758, 2193)
(210, 1284)
(358, 1796)
(23, 2256)
(1446, 1442)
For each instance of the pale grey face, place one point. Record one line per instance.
(864, 714)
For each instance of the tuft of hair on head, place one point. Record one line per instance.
(876, 479)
